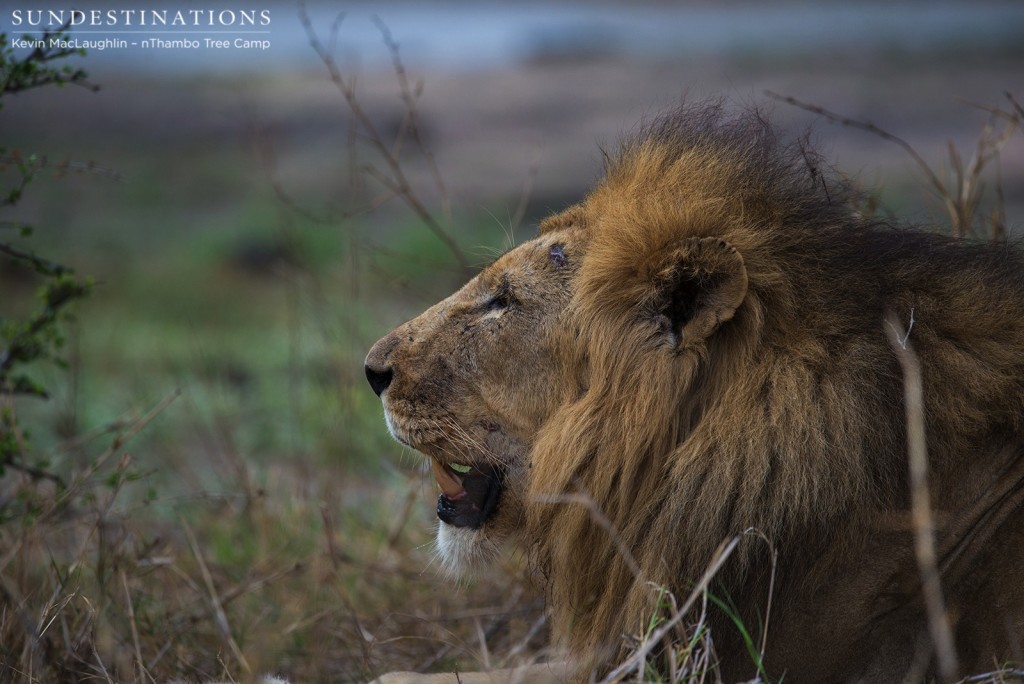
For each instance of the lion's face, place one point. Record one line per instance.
(469, 382)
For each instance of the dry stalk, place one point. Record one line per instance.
(17, 603)
(220, 617)
(638, 658)
(921, 512)
(258, 584)
(530, 634)
(35, 635)
(725, 550)
(485, 652)
(62, 167)
(771, 587)
(102, 667)
(1009, 674)
(598, 516)
(143, 672)
(328, 528)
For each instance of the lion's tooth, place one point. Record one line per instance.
(450, 484)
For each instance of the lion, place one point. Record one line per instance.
(697, 350)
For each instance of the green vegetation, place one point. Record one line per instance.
(208, 491)
(35, 337)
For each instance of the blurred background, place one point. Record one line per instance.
(254, 224)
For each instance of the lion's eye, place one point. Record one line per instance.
(502, 298)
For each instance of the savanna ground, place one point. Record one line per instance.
(230, 503)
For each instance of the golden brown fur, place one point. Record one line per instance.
(709, 357)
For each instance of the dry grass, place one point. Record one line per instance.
(285, 582)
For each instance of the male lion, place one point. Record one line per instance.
(696, 350)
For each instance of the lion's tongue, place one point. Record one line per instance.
(449, 482)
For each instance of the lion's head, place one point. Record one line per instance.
(470, 382)
(696, 350)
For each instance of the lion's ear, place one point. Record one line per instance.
(700, 284)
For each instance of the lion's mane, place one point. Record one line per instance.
(789, 418)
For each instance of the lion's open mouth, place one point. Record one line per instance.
(468, 497)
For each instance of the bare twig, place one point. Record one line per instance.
(997, 217)
(397, 180)
(924, 524)
(67, 494)
(961, 196)
(258, 584)
(61, 167)
(17, 602)
(411, 97)
(43, 266)
(266, 153)
(1016, 105)
(34, 473)
(869, 127)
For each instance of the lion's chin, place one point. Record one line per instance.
(464, 550)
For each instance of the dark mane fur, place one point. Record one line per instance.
(789, 419)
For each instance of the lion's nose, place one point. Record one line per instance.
(379, 378)
(379, 369)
